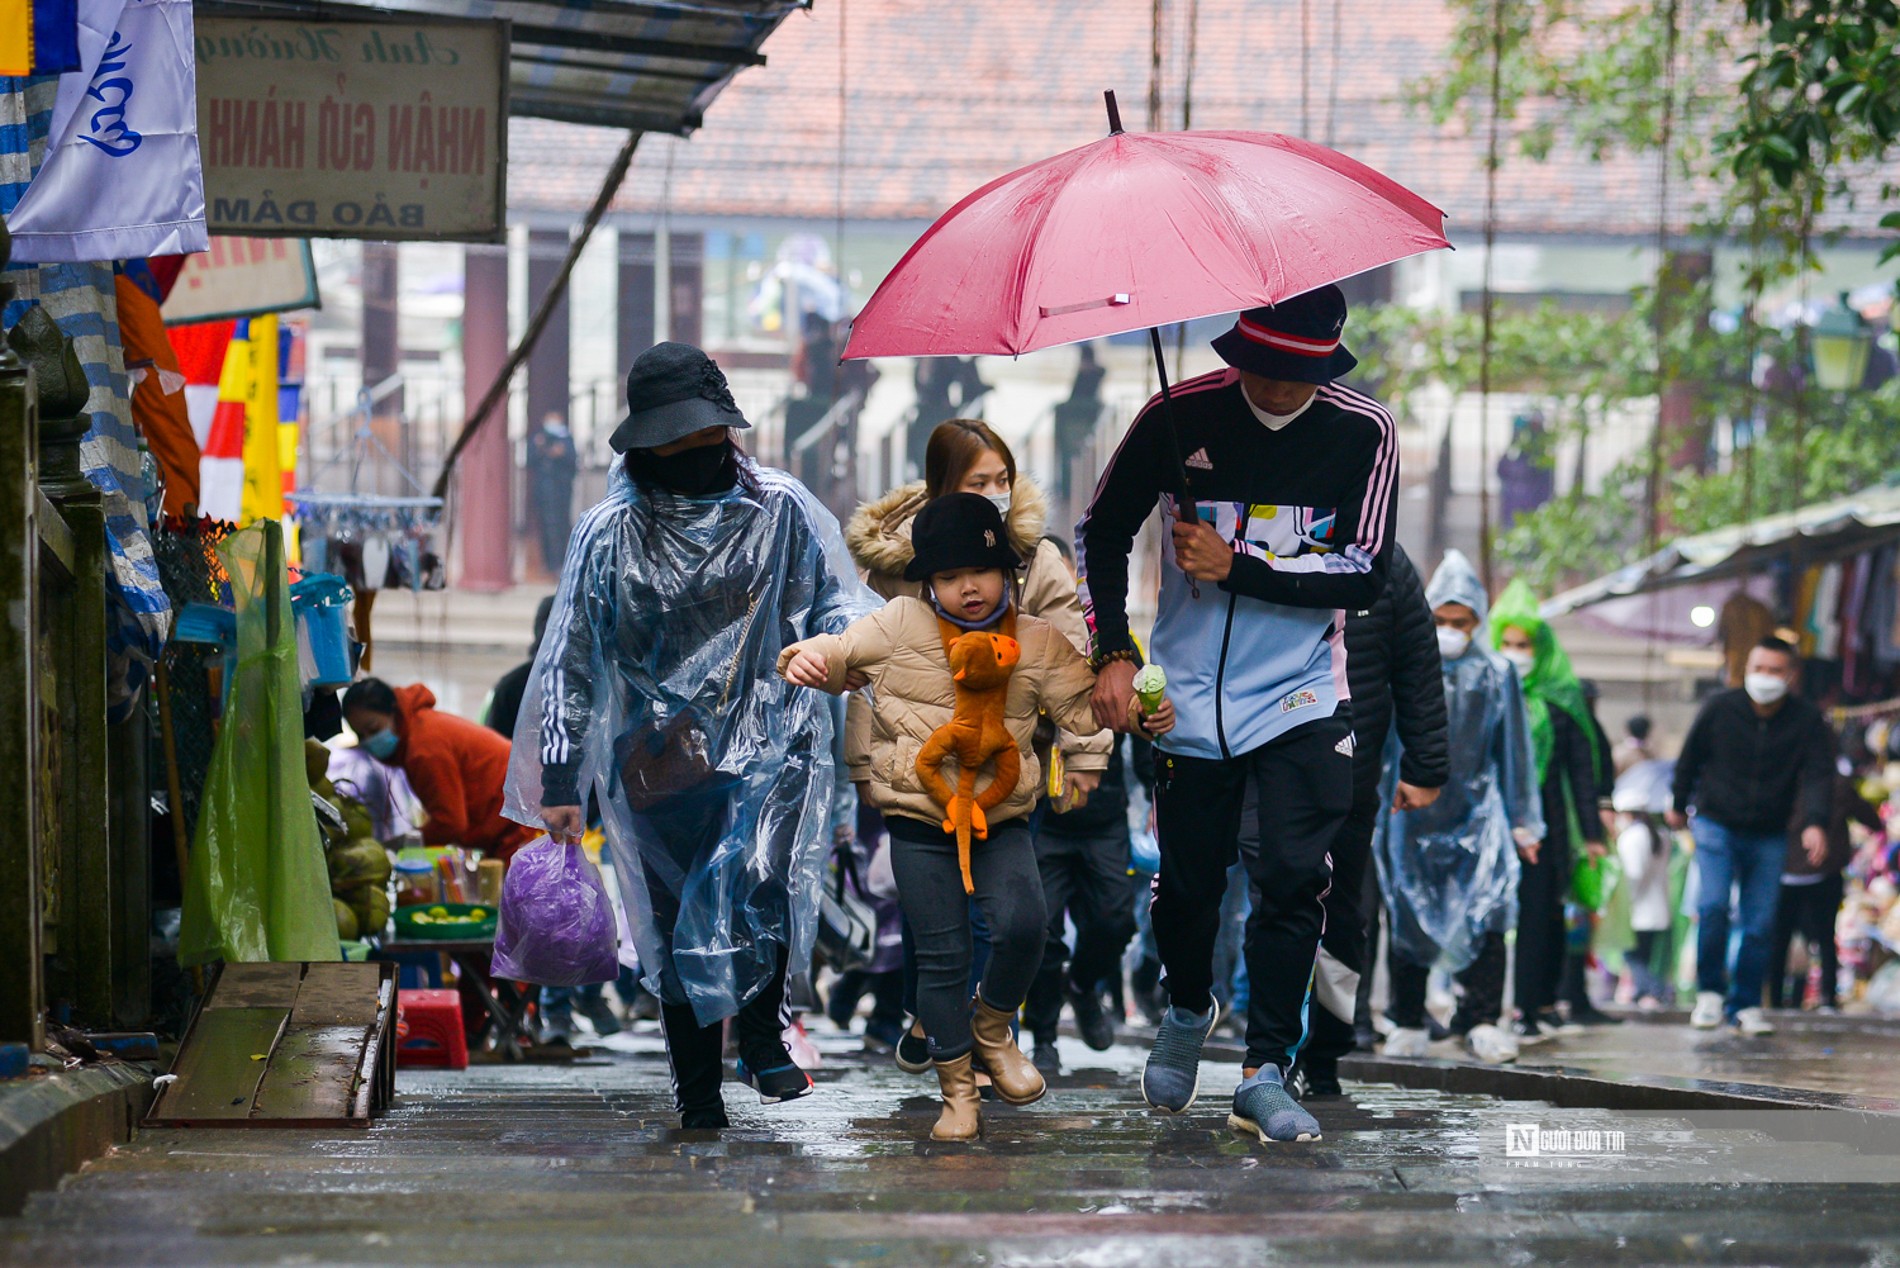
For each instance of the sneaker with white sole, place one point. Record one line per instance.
(1752, 1022)
(1172, 1078)
(1407, 1042)
(1708, 1011)
(1264, 1108)
(1492, 1045)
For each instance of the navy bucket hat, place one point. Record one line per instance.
(1296, 340)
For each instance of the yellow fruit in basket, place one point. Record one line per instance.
(478, 914)
(438, 912)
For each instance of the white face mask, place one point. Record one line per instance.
(1001, 502)
(1452, 643)
(1519, 657)
(1764, 688)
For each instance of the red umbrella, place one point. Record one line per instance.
(1138, 231)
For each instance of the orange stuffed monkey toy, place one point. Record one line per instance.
(980, 664)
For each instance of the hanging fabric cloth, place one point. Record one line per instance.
(158, 397)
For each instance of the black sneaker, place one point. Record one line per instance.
(1549, 1020)
(1097, 1031)
(705, 1118)
(1316, 1078)
(1527, 1029)
(785, 1082)
(1046, 1059)
(913, 1053)
(1591, 1015)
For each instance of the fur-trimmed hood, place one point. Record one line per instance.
(879, 532)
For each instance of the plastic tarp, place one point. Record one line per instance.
(669, 620)
(1450, 871)
(258, 887)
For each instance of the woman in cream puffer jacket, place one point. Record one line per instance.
(879, 540)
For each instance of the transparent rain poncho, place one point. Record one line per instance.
(656, 691)
(1450, 871)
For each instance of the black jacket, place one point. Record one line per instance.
(1575, 761)
(1755, 774)
(1392, 665)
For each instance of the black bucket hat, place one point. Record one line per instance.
(674, 390)
(958, 530)
(1296, 340)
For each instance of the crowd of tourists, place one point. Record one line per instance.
(1321, 761)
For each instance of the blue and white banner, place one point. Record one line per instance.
(121, 178)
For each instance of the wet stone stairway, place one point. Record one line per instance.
(581, 1164)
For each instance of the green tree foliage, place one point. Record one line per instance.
(1577, 369)
(1821, 88)
(1760, 110)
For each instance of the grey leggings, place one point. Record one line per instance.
(1009, 893)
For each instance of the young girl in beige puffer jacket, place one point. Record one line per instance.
(962, 550)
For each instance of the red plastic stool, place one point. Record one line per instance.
(429, 1030)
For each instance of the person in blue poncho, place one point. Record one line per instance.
(1449, 871)
(655, 691)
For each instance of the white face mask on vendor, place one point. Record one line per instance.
(1765, 688)
(1452, 643)
(1521, 658)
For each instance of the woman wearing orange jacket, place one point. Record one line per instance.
(457, 768)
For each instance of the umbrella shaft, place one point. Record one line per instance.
(1185, 511)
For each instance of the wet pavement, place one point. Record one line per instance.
(1843, 1056)
(581, 1164)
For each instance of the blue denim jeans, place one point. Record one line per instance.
(1727, 861)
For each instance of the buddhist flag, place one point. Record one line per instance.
(56, 37)
(16, 37)
(221, 483)
(263, 466)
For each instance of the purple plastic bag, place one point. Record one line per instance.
(556, 925)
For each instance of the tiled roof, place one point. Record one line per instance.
(941, 97)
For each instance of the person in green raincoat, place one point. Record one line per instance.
(1564, 744)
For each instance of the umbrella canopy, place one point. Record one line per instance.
(1138, 231)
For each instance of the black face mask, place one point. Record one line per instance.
(695, 472)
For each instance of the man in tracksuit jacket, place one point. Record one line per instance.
(1286, 526)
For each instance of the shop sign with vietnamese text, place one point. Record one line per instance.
(381, 130)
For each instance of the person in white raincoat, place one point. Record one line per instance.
(655, 696)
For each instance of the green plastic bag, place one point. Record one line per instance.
(1587, 883)
(258, 887)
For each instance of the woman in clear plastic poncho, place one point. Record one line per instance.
(1564, 741)
(655, 694)
(1450, 871)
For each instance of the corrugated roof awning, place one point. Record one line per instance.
(1834, 529)
(644, 65)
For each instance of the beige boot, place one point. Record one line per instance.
(961, 1119)
(1017, 1079)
